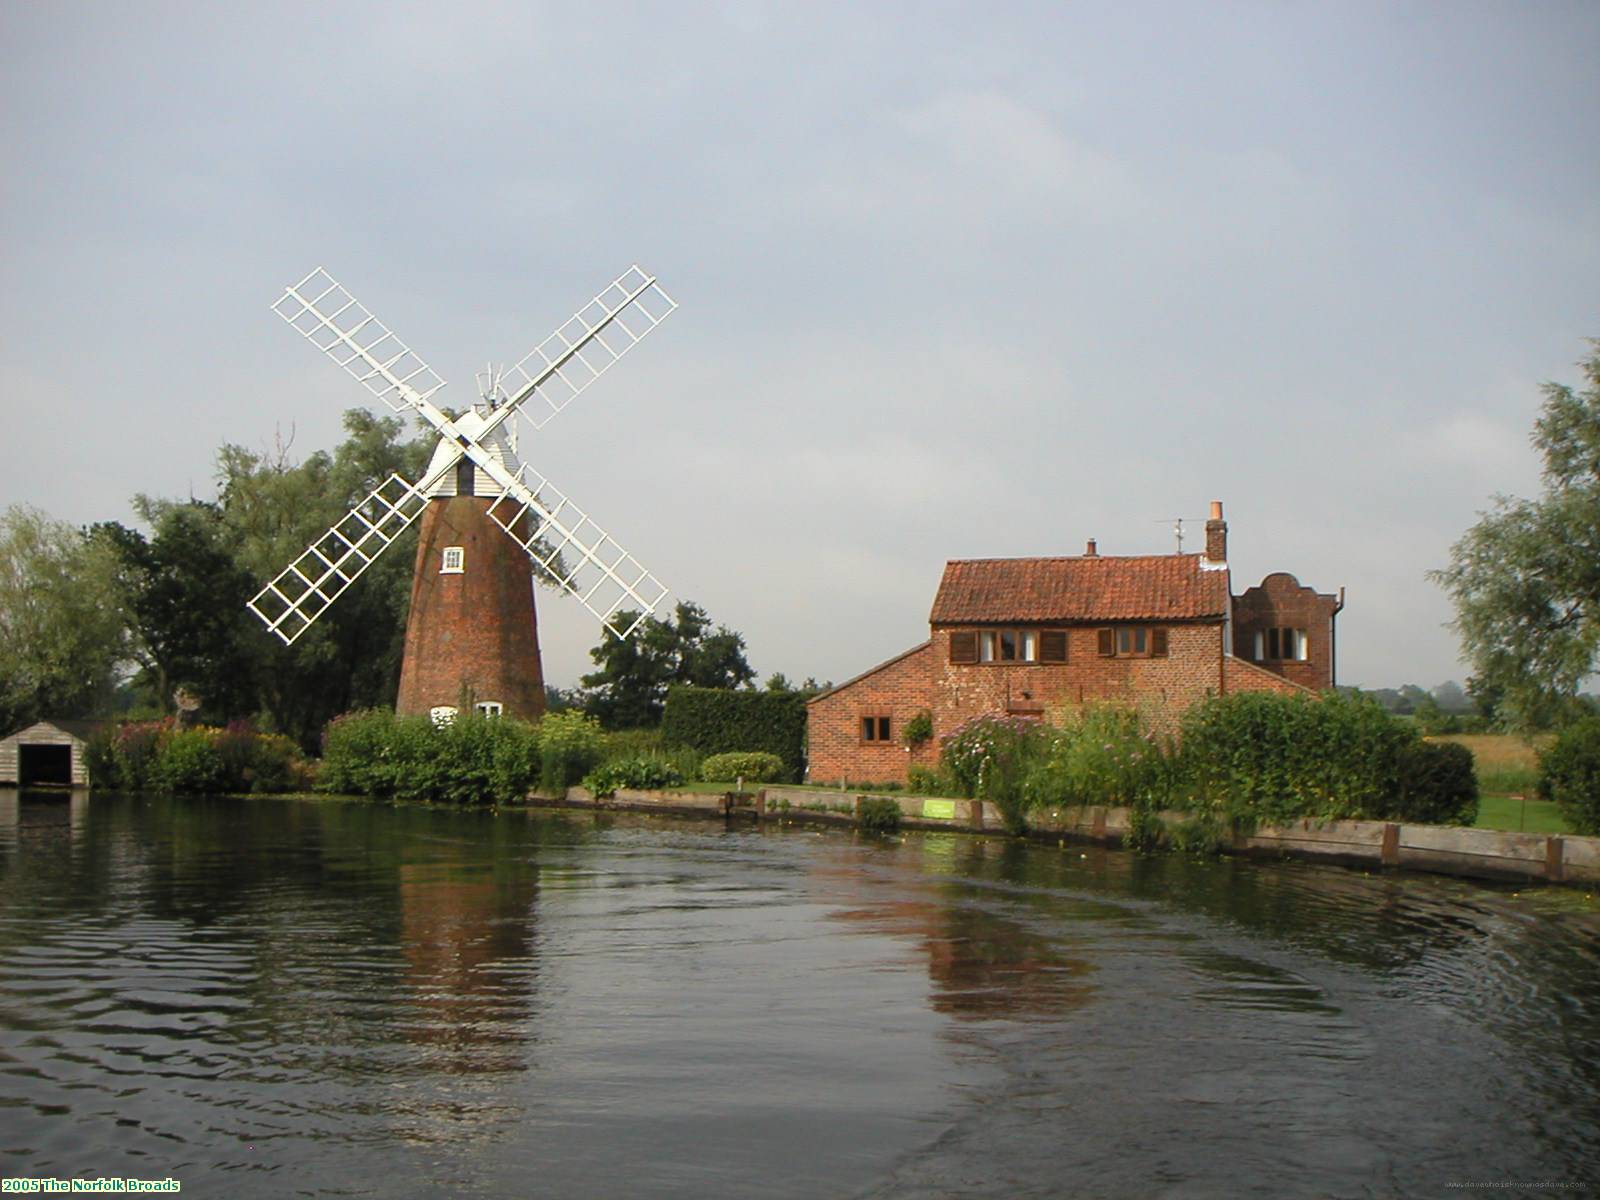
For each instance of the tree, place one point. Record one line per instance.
(62, 629)
(1525, 580)
(185, 595)
(630, 688)
(351, 657)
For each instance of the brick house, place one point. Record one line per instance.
(1039, 637)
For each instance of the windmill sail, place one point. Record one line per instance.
(585, 346)
(564, 544)
(305, 588)
(572, 550)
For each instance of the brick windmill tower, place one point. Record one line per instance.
(490, 522)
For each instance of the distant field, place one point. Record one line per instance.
(1504, 761)
(1508, 767)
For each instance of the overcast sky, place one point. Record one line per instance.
(956, 281)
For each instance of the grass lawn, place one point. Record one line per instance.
(1508, 813)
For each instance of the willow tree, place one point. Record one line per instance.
(63, 631)
(1525, 580)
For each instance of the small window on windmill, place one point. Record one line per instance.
(455, 561)
(488, 708)
(442, 715)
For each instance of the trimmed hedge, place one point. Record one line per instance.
(755, 766)
(719, 721)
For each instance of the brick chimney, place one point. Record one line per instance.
(1090, 551)
(1216, 535)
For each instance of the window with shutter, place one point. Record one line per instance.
(1107, 640)
(964, 647)
(1053, 645)
(1158, 643)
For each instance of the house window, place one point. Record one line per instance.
(454, 561)
(1132, 641)
(1053, 645)
(1009, 645)
(442, 715)
(488, 708)
(1278, 645)
(875, 729)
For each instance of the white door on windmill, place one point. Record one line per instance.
(568, 547)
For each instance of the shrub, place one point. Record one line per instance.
(187, 760)
(569, 748)
(630, 743)
(358, 754)
(878, 814)
(917, 729)
(257, 762)
(153, 755)
(1569, 774)
(931, 781)
(755, 766)
(717, 721)
(989, 757)
(1101, 758)
(134, 749)
(100, 758)
(1437, 785)
(643, 773)
(473, 760)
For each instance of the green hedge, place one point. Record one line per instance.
(717, 721)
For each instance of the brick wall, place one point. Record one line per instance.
(1279, 601)
(1161, 688)
(1242, 676)
(835, 749)
(473, 631)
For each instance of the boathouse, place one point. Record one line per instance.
(48, 754)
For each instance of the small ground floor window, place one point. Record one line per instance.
(875, 728)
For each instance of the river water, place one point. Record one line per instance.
(273, 997)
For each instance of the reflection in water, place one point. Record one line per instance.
(274, 996)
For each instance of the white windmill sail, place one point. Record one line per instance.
(559, 537)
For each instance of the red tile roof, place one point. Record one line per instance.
(1170, 587)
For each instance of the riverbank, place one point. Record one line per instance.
(1373, 845)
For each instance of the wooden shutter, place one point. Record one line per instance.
(1107, 639)
(1158, 643)
(1053, 645)
(964, 647)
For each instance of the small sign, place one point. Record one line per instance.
(939, 810)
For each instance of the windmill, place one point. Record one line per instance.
(488, 520)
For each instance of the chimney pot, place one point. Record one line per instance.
(1089, 551)
(1216, 535)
